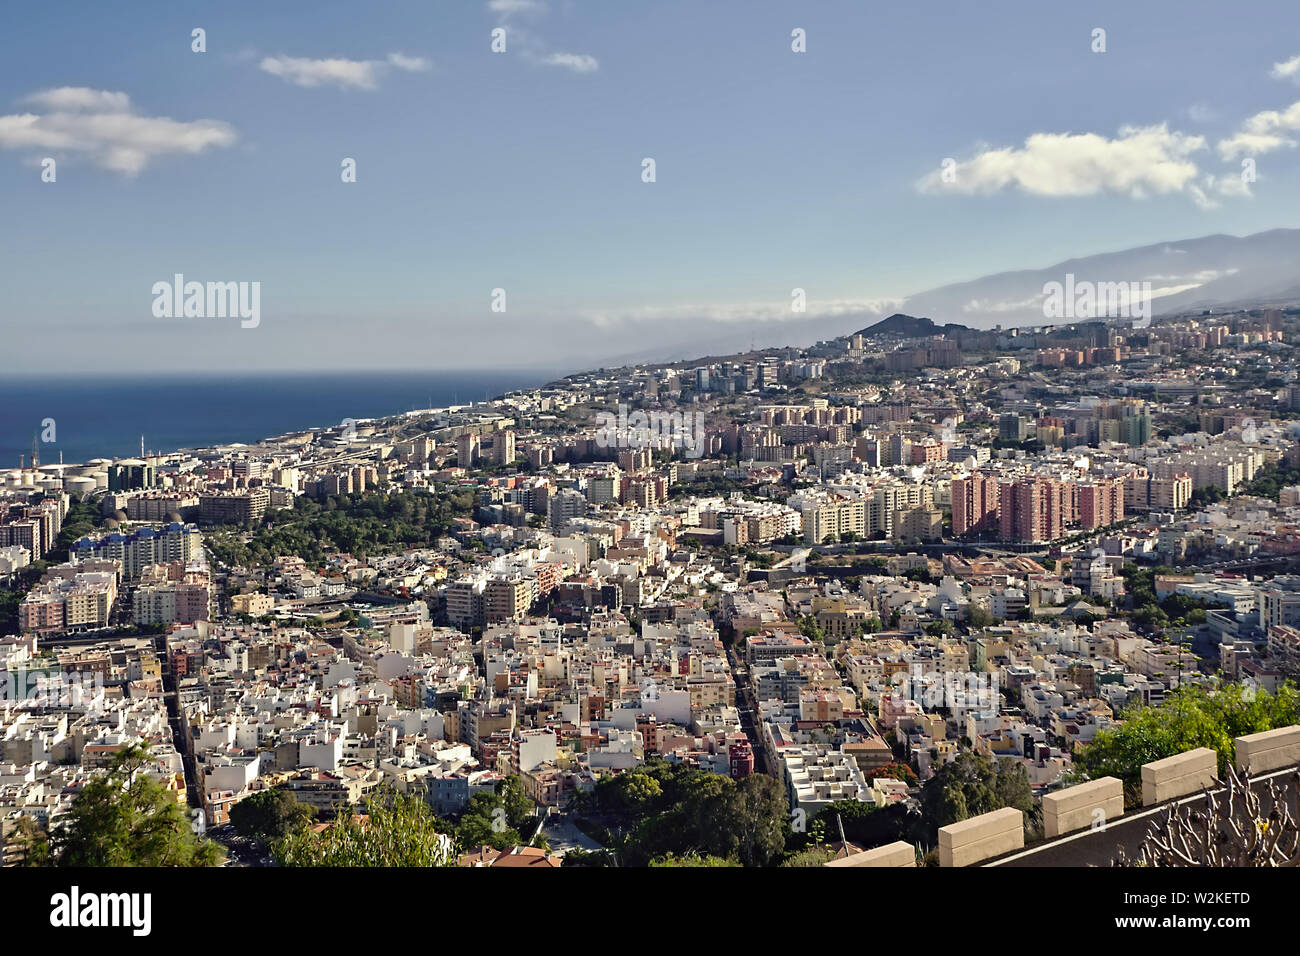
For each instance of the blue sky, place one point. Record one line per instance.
(522, 170)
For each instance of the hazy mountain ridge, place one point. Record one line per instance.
(1211, 271)
(1214, 271)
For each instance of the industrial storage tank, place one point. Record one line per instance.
(81, 485)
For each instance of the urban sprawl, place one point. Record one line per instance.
(861, 573)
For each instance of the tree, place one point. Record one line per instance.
(1151, 618)
(810, 629)
(898, 771)
(687, 859)
(486, 822)
(126, 818)
(760, 819)
(663, 809)
(588, 858)
(31, 845)
(1190, 717)
(637, 792)
(1270, 480)
(396, 830)
(812, 856)
(1206, 496)
(270, 815)
(518, 805)
(974, 784)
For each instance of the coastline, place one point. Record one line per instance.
(104, 416)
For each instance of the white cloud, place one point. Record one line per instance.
(738, 312)
(302, 71)
(1137, 163)
(577, 62)
(1168, 290)
(1287, 69)
(1211, 188)
(71, 99)
(508, 8)
(1196, 278)
(532, 48)
(1003, 305)
(411, 64)
(1262, 133)
(103, 126)
(338, 71)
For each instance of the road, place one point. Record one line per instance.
(563, 836)
(745, 704)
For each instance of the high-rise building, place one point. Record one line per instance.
(1101, 502)
(137, 551)
(131, 474)
(170, 594)
(1035, 509)
(508, 598)
(503, 447)
(238, 507)
(975, 505)
(565, 505)
(467, 450)
(1014, 427)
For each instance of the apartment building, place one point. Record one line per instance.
(139, 550)
(69, 599)
(1035, 509)
(171, 594)
(975, 501)
(234, 507)
(828, 519)
(1101, 502)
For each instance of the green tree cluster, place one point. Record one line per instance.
(1271, 480)
(496, 819)
(1189, 718)
(394, 830)
(670, 810)
(359, 524)
(689, 859)
(974, 784)
(270, 815)
(123, 818)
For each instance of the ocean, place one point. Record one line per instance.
(104, 416)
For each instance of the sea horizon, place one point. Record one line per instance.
(105, 415)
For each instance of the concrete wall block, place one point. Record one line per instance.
(1269, 750)
(981, 838)
(892, 854)
(1179, 776)
(1080, 807)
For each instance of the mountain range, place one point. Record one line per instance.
(1187, 275)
